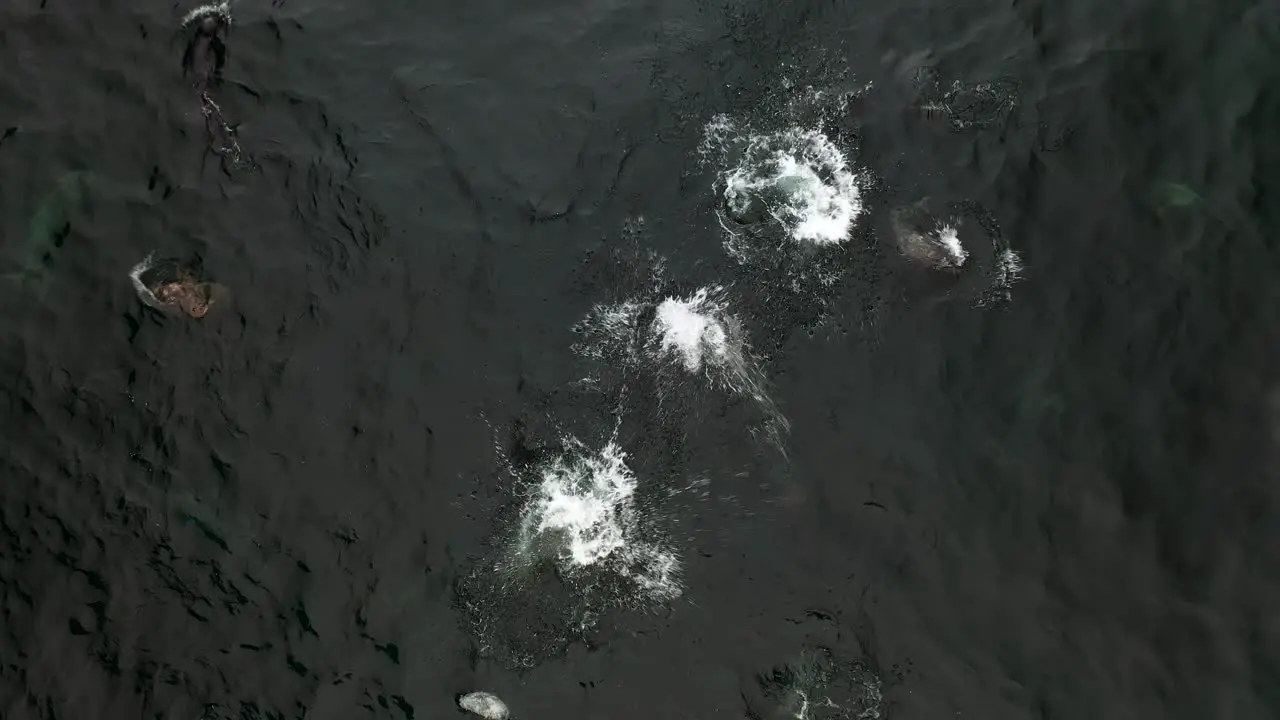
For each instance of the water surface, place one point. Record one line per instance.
(1059, 505)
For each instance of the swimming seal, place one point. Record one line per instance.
(51, 224)
(174, 288)
(206, 51)
(190, 297)
(925, 240)
(203, 60)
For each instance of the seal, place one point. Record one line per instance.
(926, 241)
(173, 288)
(191, 297)
(202, 61)
(206, 51)
(51, 224)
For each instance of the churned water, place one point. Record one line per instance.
(639, 360)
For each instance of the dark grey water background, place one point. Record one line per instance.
(1062, 507)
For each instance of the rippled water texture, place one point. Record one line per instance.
(1046, 490)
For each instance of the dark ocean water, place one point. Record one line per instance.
(1059, 506)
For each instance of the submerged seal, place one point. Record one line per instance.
(926, 240)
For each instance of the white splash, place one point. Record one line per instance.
(696, 334)
(583, 512)
(949, 237)
(701, 334)
(584, 498)
(222, 10)
(796, 177)
(689, 328)
(800, 179)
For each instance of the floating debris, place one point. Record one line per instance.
(486, 705)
